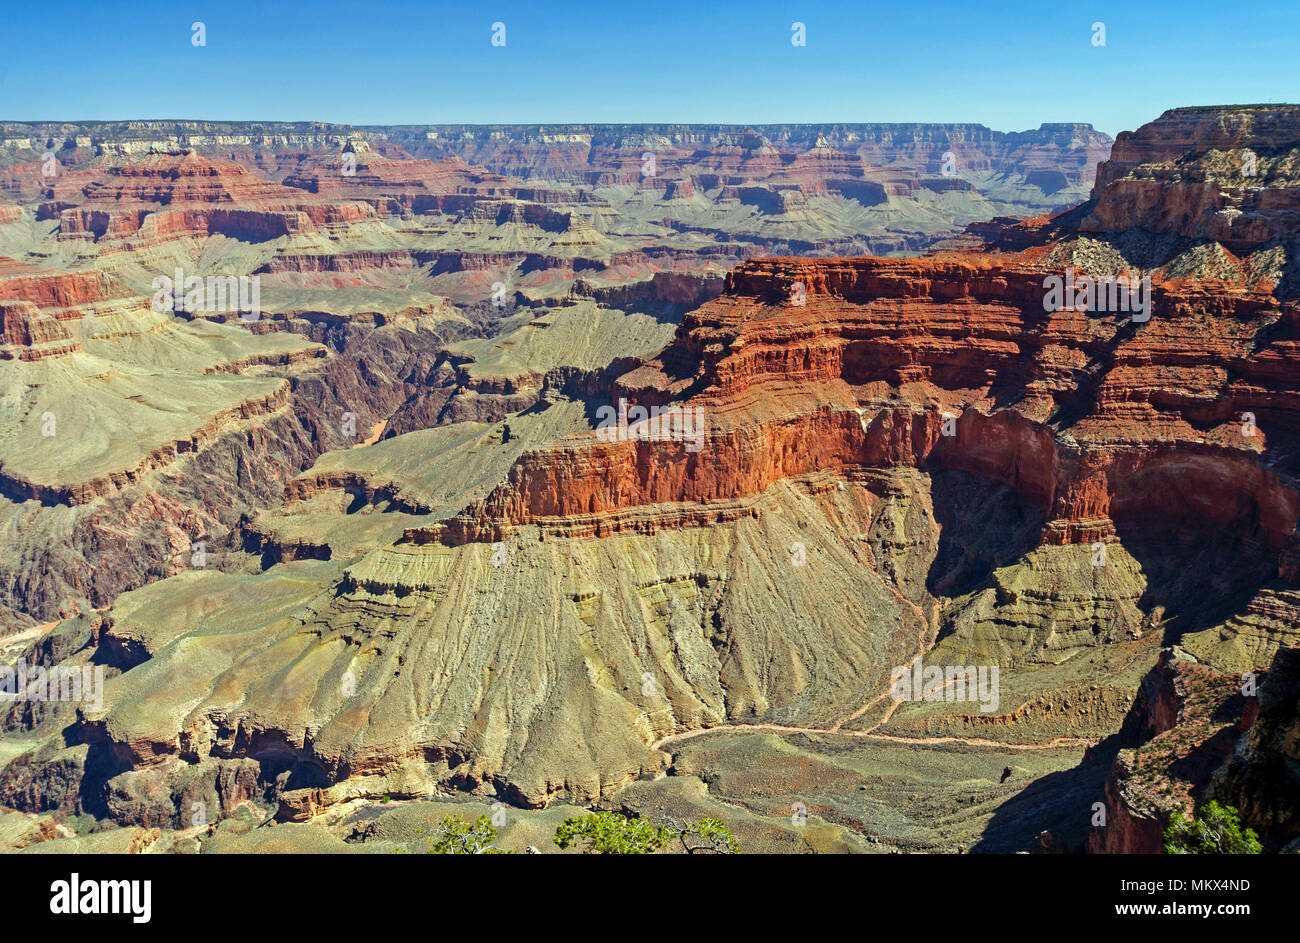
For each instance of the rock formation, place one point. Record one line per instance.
(622, 538)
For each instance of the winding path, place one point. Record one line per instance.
(927, 631)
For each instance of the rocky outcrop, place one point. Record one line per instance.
(178, 195)
(1182, 727)
(37, 306)
(29, 334)
(1224, 174)
(893, 346)
(684, 289)
(59, 290)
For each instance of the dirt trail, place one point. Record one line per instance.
(1054, 744)
(927, 633)
(25, 635)
(375, 432)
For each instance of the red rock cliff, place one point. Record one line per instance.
(1092, 416)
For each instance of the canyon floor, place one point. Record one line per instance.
(356, 545)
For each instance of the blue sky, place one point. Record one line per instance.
(1009, 65)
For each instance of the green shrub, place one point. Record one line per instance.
(1214, 830)
(608, 833)
(457, 835)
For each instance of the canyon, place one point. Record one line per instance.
(370, 555)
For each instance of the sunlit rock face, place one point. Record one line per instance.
(526, 486)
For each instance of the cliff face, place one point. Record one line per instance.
(1089, 417)
(415, 186)
(568, 150)
(168, 196)
(1186, 134)
(1196, 734)
(1224, 174)
(1092, 415)
(1182, 727)
(819, 176)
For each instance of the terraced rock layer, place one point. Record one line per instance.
(1091, 418)
(898, 462)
